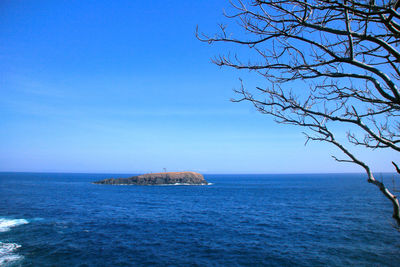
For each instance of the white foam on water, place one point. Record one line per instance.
(7, 254)
(160, 184)
(7, 224)
(183, 184)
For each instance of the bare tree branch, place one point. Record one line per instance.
(326, 61)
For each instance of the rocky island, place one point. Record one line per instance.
(162, 178)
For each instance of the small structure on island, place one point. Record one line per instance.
(162, 178)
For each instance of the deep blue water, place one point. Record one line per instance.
(240, 220)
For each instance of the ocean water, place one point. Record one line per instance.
(241, 220)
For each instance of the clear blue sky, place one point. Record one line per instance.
(124, 86)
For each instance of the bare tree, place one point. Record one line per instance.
(345, 53)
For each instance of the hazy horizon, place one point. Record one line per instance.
(204, 173)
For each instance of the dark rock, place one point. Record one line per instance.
(163, 178)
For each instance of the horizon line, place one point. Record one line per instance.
(205, 173)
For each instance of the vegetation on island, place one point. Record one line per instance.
(162, 178)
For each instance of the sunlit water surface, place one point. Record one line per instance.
(240, 220)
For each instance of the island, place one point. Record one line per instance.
(162, 178)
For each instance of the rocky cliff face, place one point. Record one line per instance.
(192, 178)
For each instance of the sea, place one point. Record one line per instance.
(62, 219)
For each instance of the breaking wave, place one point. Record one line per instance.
(7, 255)
(7, 224)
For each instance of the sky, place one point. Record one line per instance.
(125, 87)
